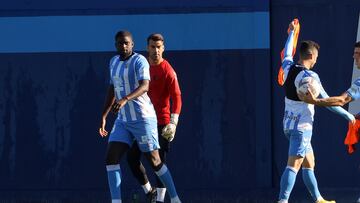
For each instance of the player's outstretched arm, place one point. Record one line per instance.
(289, 45)
(337, 109)
(326, 102)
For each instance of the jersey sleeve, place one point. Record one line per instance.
(288, 49)
(174, 89)
(142, 68)
(111, 67)
(354, 90)
(317, 78)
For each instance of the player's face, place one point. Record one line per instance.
(124, 46)
(314, 56)
(155, 49)
(356, 57)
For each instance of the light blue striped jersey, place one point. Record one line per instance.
(298, 115)
(125, 76)
(354, 90)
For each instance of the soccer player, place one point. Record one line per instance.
(353, 93)
(163, 87)
(136, 120)
(298, 119)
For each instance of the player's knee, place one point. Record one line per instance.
(295, 162)
(310, 164)
(155, 161)
(111, 159)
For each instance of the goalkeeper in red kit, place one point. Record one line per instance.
(164, 87)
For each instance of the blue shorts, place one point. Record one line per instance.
(145, 133)
(299, 142)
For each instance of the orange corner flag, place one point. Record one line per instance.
(296, 36)
(352, 136)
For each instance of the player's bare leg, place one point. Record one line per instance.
(163, 173)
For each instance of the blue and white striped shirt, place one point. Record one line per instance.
(299, 115)
(354, 90)
(125, 76)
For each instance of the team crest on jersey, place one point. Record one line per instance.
(144, 140)
(357, 82)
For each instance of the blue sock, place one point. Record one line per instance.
(287, 182)
(114, 179)
(311, 183)
(165, 177)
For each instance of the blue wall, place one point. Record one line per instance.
(53, 77)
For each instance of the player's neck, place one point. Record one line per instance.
(155, 62)
(305, 63)
(125, 56)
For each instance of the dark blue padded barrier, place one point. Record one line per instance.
(50, 109)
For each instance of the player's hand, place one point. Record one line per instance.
(118, 105)
(168, 132)
(352, 120)
(102, 131)
(292, 26)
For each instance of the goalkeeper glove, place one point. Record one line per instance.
(168, 132)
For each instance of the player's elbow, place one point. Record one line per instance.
(144, 85)
(146, 88)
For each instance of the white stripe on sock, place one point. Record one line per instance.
(112, 167)
(292, 168)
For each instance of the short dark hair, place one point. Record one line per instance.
(155, 37)
(123, 33)
(306, 47)
(357, 44)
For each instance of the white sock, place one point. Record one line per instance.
(146, 187)
(160, 194)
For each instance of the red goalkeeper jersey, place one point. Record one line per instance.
(163, 87)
